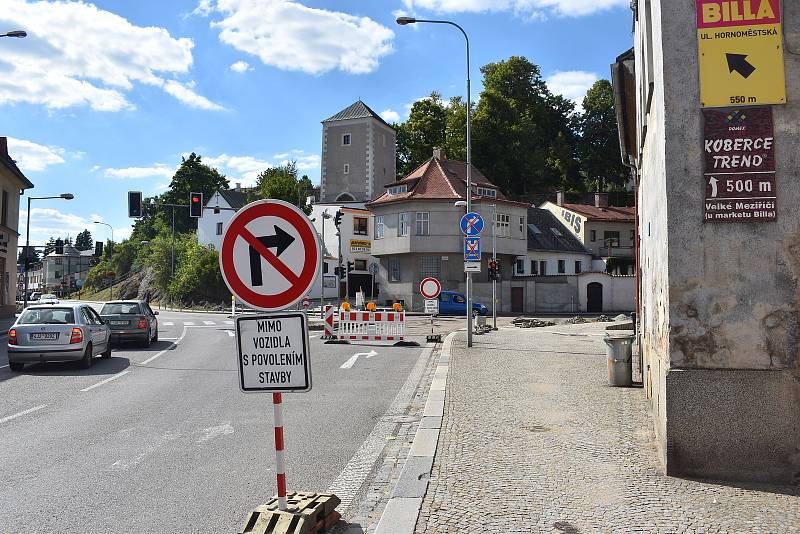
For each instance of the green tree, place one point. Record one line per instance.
(50, 246)
(192, 176)
(599, 142)
(83, 241)
(199, 276)
(281, 183)
(421, 133)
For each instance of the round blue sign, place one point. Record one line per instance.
(471, 224)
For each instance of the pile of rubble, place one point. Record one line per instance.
(604, 319)
(575, 320)
(522, 322)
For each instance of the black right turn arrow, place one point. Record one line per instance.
(280, 241)
(739, 63)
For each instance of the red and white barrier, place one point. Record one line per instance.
(372, 326)
(330, 332)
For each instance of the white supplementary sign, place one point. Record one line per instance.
(431, 306)
(273, 353)
(472, 266)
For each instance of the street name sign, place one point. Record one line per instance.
(270, 255)
(431, 306)
(430, 288)
(472, 249)
(472, 266)
(739, 148)
(740, 52)
(272, 350)
(471, 224)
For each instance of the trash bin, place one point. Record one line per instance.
(619, 354)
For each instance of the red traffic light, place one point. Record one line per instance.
(195, 199)
(195, 205)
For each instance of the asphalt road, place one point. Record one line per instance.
(162, 440)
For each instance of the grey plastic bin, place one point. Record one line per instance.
(619, 353)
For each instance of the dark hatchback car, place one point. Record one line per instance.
(131, 320)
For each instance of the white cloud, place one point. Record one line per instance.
(241, 66)
(158, 170)
(96, 217)
(203, 9)
(571, 84)
(527, 8)
(185, 94)
(291, 36)
(79, 55)
(31, 157)
(47, 222)
(390, 116)
(245, 169)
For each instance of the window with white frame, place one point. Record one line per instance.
(562, 266)
(394, 269)
(346, 139)
(403, 225)
(502, 224)
(543, 267)
(423, 223)
(360, 226)
(430, 266)
(379, 227)
(534, 267)
(347, 168)
(486, 192)
(578, 267)
(520, 266)
(396, 190)
(522, 226)
(219, 228)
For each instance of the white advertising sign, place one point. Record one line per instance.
(273, 352)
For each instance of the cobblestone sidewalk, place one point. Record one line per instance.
(533, 440)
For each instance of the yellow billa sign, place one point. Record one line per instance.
(361, 246)
(740, 47)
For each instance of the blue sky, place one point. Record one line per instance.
(102, 98)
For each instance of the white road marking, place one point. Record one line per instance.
(168, 323)
(188, 323)
(311, 337)
(209, 322)
(20, 414)
(215, 432)
(107, 380)
(352, 361)
(228, 322)
(2, 366)
(230, 333)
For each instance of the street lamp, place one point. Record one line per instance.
(403, 21)
(110, 254)
(65, 196)
(16, 33)
(325, 215)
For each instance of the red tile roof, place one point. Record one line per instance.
(439, 179)
(610, 213)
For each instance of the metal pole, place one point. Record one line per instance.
(111, 257)
(339, 260)
(322, 271)
(469, 189)
(173, 242)
(27, 253)
(280, 467)
(494, 258)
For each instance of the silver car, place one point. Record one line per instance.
(58, 333)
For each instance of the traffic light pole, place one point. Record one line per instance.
(494, 278)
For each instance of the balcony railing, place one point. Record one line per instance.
(619, 252)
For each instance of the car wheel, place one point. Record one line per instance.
(16, 366)
(146, 340)
(155, 337)
(107, 354)
(86, 361)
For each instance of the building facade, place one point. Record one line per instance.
(12, 185)
(417, 233)
(211, 225)
(718, 299)
(63, 273)
(606, 231)
(358, 155)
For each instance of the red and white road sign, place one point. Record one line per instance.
(270, 255)
(430, 288)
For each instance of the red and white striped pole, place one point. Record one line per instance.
(280, 468)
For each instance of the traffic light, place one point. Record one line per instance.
(195, 205)
(59, 246)
(337, 219)
(494, 275)
(134, 204)
(351, 266)
(98, 248)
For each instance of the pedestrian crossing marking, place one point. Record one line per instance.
(167, 323)
(188, 323)
(228, 322)
(208, 322)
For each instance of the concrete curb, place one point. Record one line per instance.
(401, 512)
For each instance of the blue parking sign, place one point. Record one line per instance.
(472, 249)
(471, 224)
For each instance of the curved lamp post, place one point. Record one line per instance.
(16, 33)
(65, 196)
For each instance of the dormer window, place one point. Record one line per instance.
(486, 192)
(398, 189)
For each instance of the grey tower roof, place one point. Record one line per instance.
(357, 110)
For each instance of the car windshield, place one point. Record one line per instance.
(48, 296)
(120, 308)
(47, 316)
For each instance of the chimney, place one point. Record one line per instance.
(4, 147)
(601, 200)
(560, 198)
(238, 186)
(439, 153)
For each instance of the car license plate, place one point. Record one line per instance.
(119, 323)
(44, 336)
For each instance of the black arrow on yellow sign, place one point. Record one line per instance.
(739, 63)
